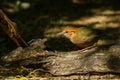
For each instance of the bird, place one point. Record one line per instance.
(83, 37)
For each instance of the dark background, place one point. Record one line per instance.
(45, 18)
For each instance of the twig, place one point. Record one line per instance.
(9, 27)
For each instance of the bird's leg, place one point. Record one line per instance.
(87, 48)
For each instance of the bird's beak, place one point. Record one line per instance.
(60, 33)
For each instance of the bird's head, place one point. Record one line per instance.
(69, 32)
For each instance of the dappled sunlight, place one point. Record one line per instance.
(107, 12)
(100, 19)
(15, 6)
(42, 20)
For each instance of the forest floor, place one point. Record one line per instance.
(46, 19)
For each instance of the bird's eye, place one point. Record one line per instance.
(66, 32)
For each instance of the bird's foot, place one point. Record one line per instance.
(87, 49)
(82, 51)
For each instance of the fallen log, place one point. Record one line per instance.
(95, 60)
